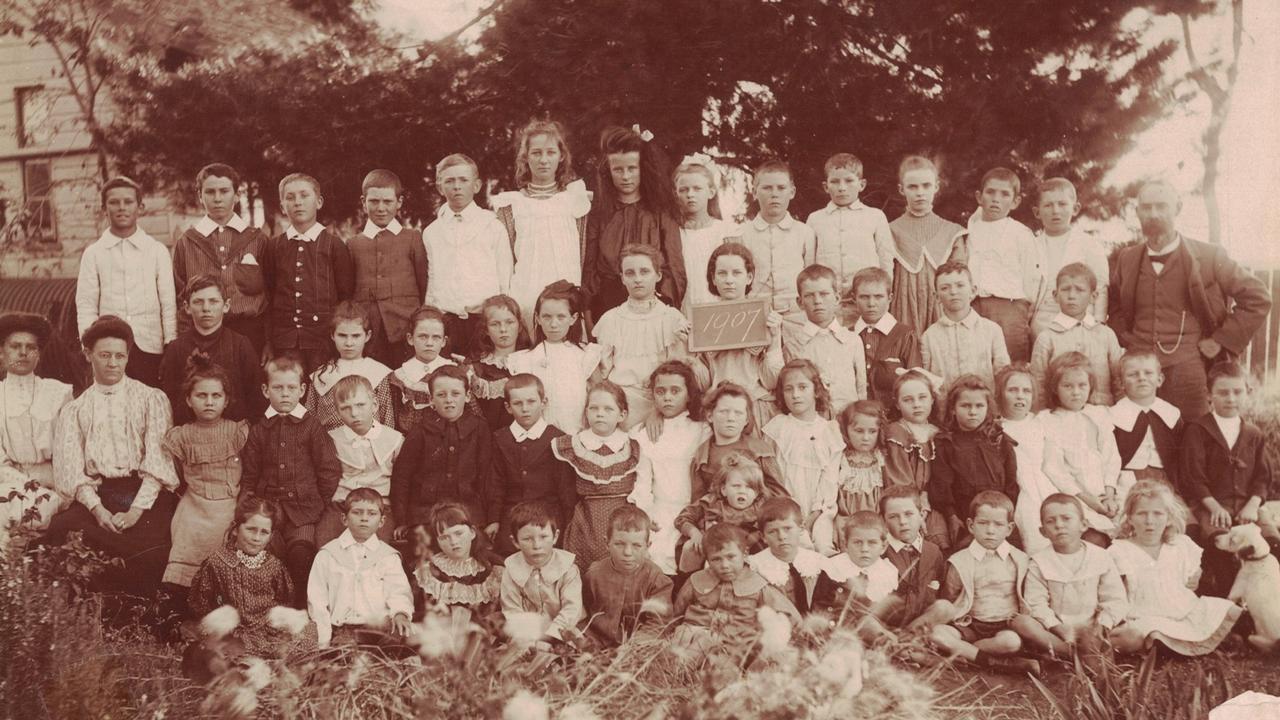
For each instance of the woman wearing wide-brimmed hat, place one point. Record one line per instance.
(29, 405)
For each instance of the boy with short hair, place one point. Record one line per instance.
(832, 347)
(848, 236)
(1059, 244)
(1148, 428)
(623, 591)
(1072, 590)
(390, 266)
(289, 458)
(128, 274)
(919, 562)
(1225, 474)
(792, 569)
(1074, 329)
(223, 245)
(776, 240)
(540, 579)
(524, 468)
(367, 450)
(888, 345)
(205, 304)
(307, 270)
(446, 457)
(357, 592)
(961, 341)
(1002, 258)
(982, 595)
(469, 252)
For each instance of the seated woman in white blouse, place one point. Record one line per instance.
(109, 460)
(29, 405)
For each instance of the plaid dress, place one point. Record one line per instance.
(605, 478)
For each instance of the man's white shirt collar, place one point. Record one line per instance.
(352, 436)
(884, 325)
(777, 571)
(206, 226)
(465, 213)
(1125, 413)
(309, 236)
(834, 327)
(298, 412)
(370, 230)
(1167, 249)
(1066, 322)
(980, 553)
(533, 433)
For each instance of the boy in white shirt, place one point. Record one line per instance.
(357, 591)
(848, 236)
(776, 240)
(366, 448)
(128, 273)
(823, 339)
(468, 253)
(1002, 259)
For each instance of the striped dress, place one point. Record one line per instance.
(605, 477)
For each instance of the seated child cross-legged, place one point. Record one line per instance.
(858, 584)
(358, 592)
(540, 581)
(626, 589)
(719, 603)
(1161, 569)
(982, 598)
(736, 499)
(792, 569)
(1073, 590)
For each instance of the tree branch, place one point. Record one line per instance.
(1198, 73)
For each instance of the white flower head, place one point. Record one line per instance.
(525, 628)
(524, 705)
(220, 622)
(437, 636)
(775, 630)
(578, 711)
(244, 703)
(288, 619)
(257, 673)
(655, 606)
(841, 665)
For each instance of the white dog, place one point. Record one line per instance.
(1257, 584)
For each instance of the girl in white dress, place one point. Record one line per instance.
(1081, 457)
(1015, 392)
(809, 449)
(664, 477)
(640, 334)
(546, 219)
(701, 228)
(559, 357)
(1161, 568)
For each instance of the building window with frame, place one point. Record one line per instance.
(33, 108)
(38, 212)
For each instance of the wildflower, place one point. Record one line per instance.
(257, 674)
(524, 628)
(524, 705)
(578, 711)
(220, 622)
(435, 637)
(244, 703)
(841, 666)
(775, 630)
(357, 670)
(655, 606)
(287, 619)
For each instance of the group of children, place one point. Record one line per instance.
(439, 390)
